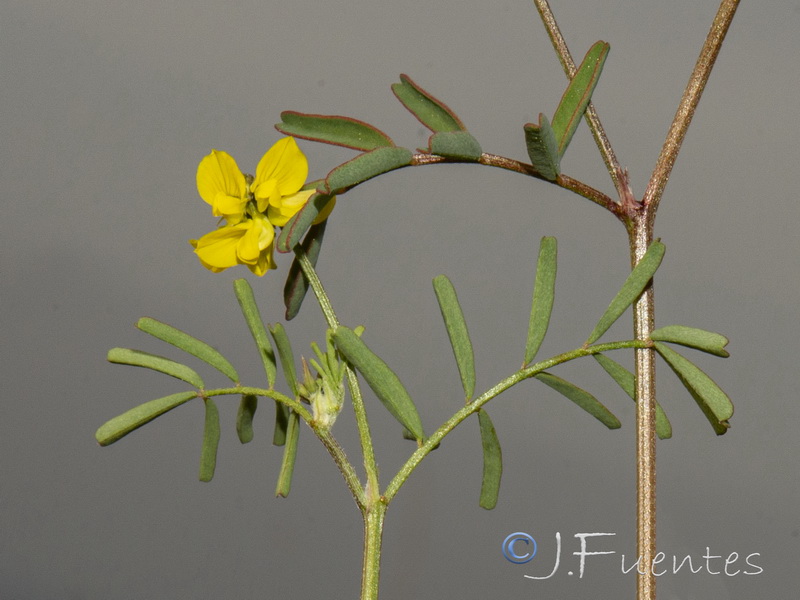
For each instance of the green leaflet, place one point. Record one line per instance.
(576, 98)
(634, 285)
(381, 379)
(296, 227)
(287, 357)
(544, 291)
(289, 456)
(244, 418)
(492, 462)
(457, 331)
(542, 146)
(331, 129)
(714, 403)
(455, 144)
(432, 113)
(582, 398)
(189, 344)
(247, 302)
(120, 426)
(707, 341)
(137, 358)
(627, 381)
(211, 431)
(294, 291)
(281, 424)
(366, 166)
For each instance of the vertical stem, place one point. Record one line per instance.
(640, 236)
(373, 533)
(359, 409)
(373, 506)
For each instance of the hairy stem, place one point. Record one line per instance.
(691, 97)
(367, 449)
(373, 534)
(641, 235)
(333, 447)
(473, 407)
(510, 164)
(599, 134)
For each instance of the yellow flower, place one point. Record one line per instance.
(251, 206)
(249, 242)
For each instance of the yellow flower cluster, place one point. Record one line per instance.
(251, 206)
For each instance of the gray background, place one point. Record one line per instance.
(107, 107)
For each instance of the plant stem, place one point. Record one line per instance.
(599, 134)
(525, 373)
(373, 534)
(355, 390)
(330, 443)
(510, 164)
(691, 97)
(641, 235)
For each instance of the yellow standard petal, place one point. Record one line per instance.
(286, 164)
(222, 185)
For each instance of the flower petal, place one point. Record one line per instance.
(258, 237)
(285, 163)
(265, 262)
(326, 212)
(287, 207)
(264, 191)
(221, 184)
(217, 250)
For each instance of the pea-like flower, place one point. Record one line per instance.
(251, 206)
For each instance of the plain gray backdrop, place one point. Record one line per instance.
(107, 108)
